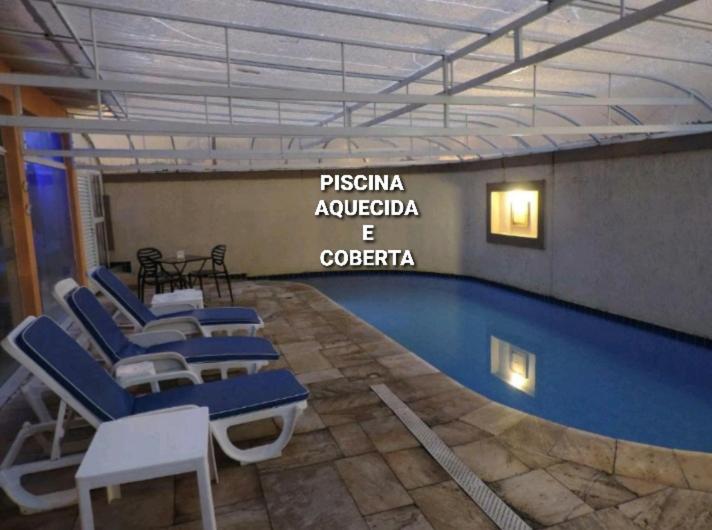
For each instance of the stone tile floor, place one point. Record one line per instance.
(352, 464)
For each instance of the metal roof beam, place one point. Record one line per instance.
(594, 35)
(133, 48)
(226, 154)
(377, 15)
(278, 94)
(546, 39)
(555, 66)
(149, 13)
(673, 20)
(424, 115)
(158, 127)
(567, 67)
(68, 59)
(481, 42)
(248, 166)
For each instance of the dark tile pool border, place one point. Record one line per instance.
(689, 338)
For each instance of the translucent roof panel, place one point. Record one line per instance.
(297, 56)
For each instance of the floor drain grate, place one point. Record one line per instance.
(501, 514)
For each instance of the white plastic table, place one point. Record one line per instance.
(189, 297)
(149, 446)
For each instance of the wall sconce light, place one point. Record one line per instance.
(515, 213)
(520, 208)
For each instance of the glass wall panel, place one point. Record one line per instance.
(51, 222)
(43, 140)
(10, 310)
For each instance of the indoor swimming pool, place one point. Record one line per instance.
(569, 366)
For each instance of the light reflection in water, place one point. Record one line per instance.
(513, 365)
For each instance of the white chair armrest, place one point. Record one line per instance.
(154, 379)
(165, 309)
(153, 338)
(187, 325)
(162, 361)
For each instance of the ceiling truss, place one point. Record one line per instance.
(451, 115)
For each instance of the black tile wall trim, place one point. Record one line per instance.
(655, 328)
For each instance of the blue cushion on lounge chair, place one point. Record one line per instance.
(123, 294)
(75, 369)
(217, 349)
(216, 316)
(210, 317)
(72, 367)
(99, 323)
(230, 396)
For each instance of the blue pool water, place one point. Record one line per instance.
(571, 367)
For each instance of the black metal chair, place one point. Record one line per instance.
(217, 270)
(151, 272)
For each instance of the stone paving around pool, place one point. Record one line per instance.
(352, 464)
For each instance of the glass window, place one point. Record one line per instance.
(51, 222)
(10, 310)
(43, 140)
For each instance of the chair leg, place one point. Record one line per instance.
(229, 288)
(289, 415)
(217, 285)
(11, 473)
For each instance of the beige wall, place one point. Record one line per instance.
(630, 235)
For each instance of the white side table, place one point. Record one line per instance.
(149, 446)
(180, 297)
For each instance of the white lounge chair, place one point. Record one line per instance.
(165, 350)
(84, 387)
(183, 318)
